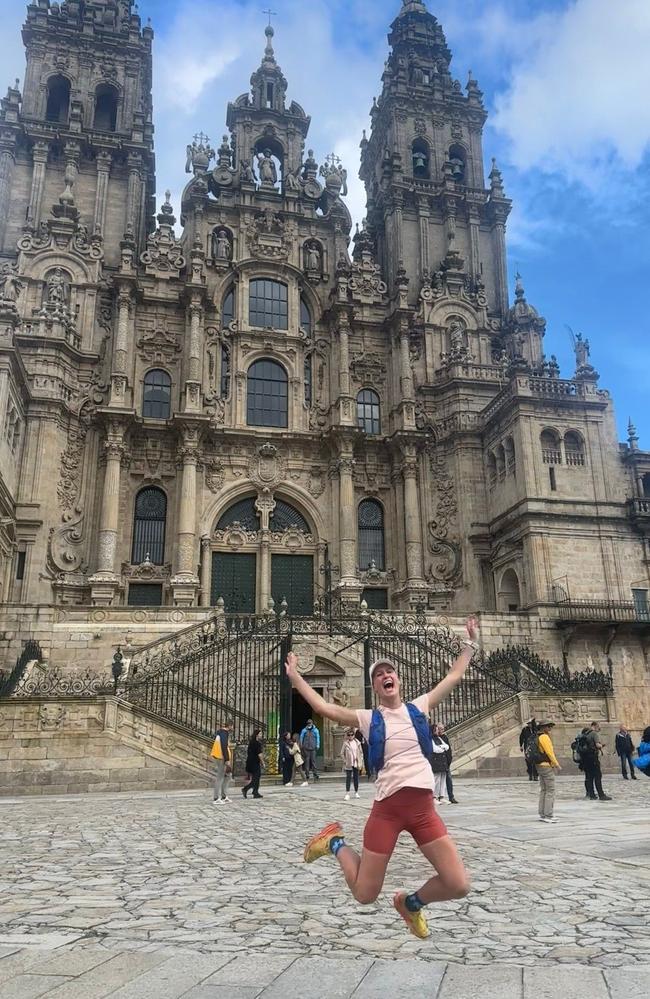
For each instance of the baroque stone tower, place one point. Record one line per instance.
(264, 412)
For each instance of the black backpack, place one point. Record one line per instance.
(580, 748)
(532, 752)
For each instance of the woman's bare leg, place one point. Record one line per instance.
(364, 874)
(451, 879)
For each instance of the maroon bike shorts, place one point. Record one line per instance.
(409, 810)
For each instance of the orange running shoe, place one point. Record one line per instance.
(415, 921)
(319, 845)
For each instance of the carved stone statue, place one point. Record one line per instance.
(310, 169)
(340, 696)
(10, 285)
(221, 248)
(56, 288)
(312, 258)
(292, 180)
(246, 172)
(267, 171)
(582, 350)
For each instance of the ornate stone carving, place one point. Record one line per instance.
(164, 254)
(443, 544)
(236, 536)
(369, 369)
(158, 346)
(215, 473)
(64, 550)
(10, 285)
(269, 235)
(267, 469)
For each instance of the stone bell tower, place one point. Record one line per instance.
(428, 205)
(81, 132)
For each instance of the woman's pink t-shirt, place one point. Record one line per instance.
(404, 763)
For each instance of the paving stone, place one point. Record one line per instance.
(222, 992)
(246, 971)
(482, 982)
(564, 983)
(70, 962)
(173, 978)
(628, 983)
(401, 980)
(334, 978)
(107, 978)
(31, 986)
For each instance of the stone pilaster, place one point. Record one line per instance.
(194, 368)
(7, 163)
(105, 583)
(134, 198)
(101, 195)
(185, 581)
(415, 589)
(346, 403)
(119, 378)
(265, 505)
(206, 569)
(40, 153)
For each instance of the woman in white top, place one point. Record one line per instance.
(403, 790)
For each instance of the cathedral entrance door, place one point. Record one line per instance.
(292, 579)
(233, 578)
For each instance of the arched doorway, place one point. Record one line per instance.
(509, 592)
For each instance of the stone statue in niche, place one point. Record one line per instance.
(56, 287)
(10, 285)
(312, 258)
(292, 180)
(221, 246)
(266, 167)
(246, 173)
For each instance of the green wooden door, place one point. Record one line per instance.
(233, 578)
(292, 579)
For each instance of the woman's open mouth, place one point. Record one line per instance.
(389, 684)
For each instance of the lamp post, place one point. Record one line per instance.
(117, 668)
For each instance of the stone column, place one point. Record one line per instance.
(103, 172)
(134, 197)
(194, 373)
(40, 153)
(185, 581)
(412, 520)
(474, 244)
(7, 163)
(206, 569)
(347, 521)
(119, 380)
(265, 505)
(345, 403)
(406, 374)
(105, 582)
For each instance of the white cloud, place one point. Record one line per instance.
(577, 104)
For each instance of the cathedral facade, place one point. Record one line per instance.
(260, 409)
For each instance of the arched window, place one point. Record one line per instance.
(285, 516)
(268, 395)
(242, 512)
(370, 525)
(420, 155)
(228, 308)
(268, 304)
(551, 451)
(457, 161)
(501, 462)
(305, 317)
(368, 413)
(105, 108)
(58, 100)
(149, 526)
(509, 592)
(509, 448)
(574, 448)
(157, 395)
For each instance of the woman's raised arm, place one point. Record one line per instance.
(344, 716)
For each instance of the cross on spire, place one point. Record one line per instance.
(271, 13)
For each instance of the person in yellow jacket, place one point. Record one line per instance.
(546, 764)
(222, 754)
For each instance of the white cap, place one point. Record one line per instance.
(380, 662)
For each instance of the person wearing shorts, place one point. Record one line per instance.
(403, 794)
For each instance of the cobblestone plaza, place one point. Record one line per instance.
(165, 895)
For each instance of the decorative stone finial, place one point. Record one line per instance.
(632, 436)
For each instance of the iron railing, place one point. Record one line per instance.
(9, 682)
(607, 611)
(522, 669)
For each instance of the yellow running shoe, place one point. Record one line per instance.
(319, 845)
(415, 921)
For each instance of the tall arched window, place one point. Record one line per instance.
(268, 304)
(509, 592)
(305, 317)
(368, 413)
(149, 522)
(574, 449)
(58, 99)
(105, 108)
(228, 308)
(420, 154)
(457, 161)
(370, 525)
(157, 395)
(268, 395)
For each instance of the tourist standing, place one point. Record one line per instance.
(352, 762)
(448, 779)
(439, 764)
(298, 762)
(400, 750)
(642, 762)
(286, 760)
(624, 751)
(254, 761)
(591, 764)
(526, 734)
(364, 749)
(309, 745)
(543, 756)
(222, 755)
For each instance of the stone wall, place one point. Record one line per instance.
(68, 745)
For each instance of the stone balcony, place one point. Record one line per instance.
(607, 612)
(639, 511)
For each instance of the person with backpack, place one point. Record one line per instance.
(624, 751)
(526, 734)
(309, 745)
(642, 762)
(286, 760)
(400, 751)
(591, 764)
(541, 754)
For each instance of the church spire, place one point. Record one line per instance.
(269, 87)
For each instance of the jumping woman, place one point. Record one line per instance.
(399, 741)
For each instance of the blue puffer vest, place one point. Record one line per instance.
(377, 736)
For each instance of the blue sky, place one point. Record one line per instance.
(566, 83)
